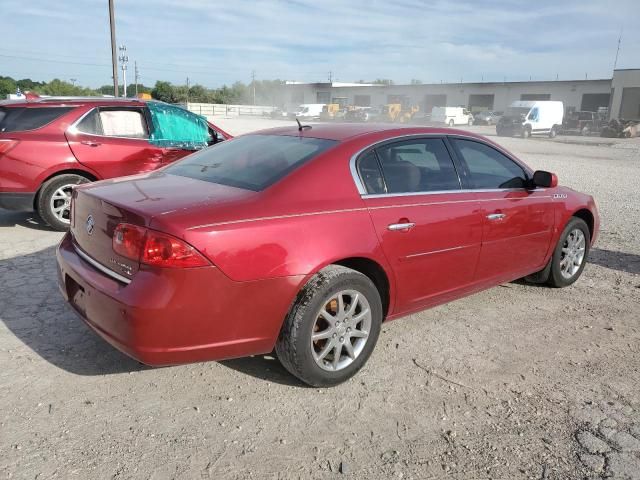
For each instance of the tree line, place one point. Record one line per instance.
(260, 92)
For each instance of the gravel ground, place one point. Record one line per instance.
(516, 382)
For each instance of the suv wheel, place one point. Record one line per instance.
(331, 328)
(54, 200)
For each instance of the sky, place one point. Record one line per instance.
(217, 42)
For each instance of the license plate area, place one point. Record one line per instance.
(75, 294)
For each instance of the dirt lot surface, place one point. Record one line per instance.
(516, 382)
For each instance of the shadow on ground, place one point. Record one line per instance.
(623, 262)
(23, 219)
(33, 309)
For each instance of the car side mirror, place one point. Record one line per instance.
(544, 179)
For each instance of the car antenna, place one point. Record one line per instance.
(302, 127)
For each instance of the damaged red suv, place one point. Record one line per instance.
(307, 239)
(49, 145)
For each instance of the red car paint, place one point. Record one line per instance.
(54, 149)
(264, 246)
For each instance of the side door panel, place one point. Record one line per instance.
(519, 241)
(429, 229)
(112, 156)
(438, 255)
(517, 222)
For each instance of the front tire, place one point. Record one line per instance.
(553, 132)
(570, 254)
(331, 328)
(451, 123)
(526, 132)
(54, 200)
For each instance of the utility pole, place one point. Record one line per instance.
(187, 92)
(615, 62)
(253, 85)
(114, 53)
(136, 75)
(330, 76)
(123, 63)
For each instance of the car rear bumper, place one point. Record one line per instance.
(173, 316)
(22, 202)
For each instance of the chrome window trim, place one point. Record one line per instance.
(73, 128)
(102, 268)
(441, 192)
(363, 191)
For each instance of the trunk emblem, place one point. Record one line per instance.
(90, 224)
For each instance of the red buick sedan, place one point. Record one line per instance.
(307, 239)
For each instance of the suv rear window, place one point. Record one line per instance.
(20, 119)
(252, 162)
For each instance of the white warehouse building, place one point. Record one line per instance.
(620, 94)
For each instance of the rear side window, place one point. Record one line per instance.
(123, 123)
(21, 119)
(252, 162)
(487, 167)
(420, 165)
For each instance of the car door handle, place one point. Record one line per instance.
(394, 227)
(496, 216)
(90, 143)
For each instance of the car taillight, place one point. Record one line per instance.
(6, 145)
(155, 248)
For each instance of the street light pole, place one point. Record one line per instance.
(114, 53)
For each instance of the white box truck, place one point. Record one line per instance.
(309, 111)
(451, 116)
(526, 118)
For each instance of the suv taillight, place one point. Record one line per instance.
(154, 248)
(6, 145)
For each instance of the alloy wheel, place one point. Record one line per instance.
(573, 251)
(60, 203)
(341, 330)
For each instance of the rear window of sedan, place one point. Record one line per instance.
(252, 162)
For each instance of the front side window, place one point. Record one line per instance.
(21, 119)
(487, 167)
(252, 162)
(176, 127)
(420, 165)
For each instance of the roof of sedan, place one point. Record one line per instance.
(344, 131)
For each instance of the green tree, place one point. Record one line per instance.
(165, 92)
(7, 86)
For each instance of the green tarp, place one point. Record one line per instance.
(175, 127)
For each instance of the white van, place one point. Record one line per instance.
(451, 116)
(528, 118)
(309, 110)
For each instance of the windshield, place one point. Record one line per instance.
(252, 162)
(517, 111)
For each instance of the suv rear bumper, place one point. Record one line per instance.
(22, 202)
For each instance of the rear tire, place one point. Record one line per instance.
(570, 254)
(54, 200)
(338, 306)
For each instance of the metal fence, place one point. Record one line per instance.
(216, 109)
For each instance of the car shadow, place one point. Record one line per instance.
(32, 308)
(621, 261)
(264, 367)
(23, 219)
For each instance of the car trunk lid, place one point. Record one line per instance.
(100, 207)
